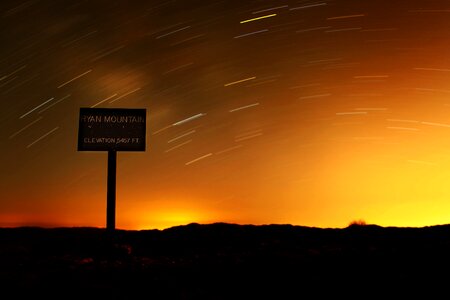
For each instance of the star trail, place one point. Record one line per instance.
(313, 113)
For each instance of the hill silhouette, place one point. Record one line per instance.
(223, 261)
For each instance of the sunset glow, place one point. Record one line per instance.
(258, 113)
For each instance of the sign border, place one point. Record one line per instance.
(113, 111)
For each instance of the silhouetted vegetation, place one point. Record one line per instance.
(222, 261)
(359, 222)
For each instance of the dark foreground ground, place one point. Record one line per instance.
(225, 261)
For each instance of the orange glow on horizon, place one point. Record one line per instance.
(393, 172)
(340, 117)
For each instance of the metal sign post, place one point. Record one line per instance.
(111, 192)
(112, 130)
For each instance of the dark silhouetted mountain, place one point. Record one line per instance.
(224, 261)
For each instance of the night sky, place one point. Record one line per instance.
(312, 113)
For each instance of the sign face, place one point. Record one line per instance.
(112, 129)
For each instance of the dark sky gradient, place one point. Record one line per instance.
(319, 113)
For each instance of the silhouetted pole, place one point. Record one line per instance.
(111, 192)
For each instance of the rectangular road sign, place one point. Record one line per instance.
(112, 129)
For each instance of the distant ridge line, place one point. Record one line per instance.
(223, 224)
